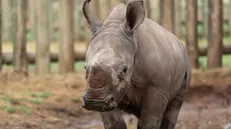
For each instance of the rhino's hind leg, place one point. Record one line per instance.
(172, 111)
(113, 120)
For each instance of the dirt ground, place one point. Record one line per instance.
(54, 102)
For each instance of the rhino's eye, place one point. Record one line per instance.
(125, 69)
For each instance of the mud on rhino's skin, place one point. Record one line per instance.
(134, 65)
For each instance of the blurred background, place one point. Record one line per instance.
(42, 55)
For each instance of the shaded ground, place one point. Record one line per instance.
(54, 102)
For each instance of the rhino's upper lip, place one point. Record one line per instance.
(99, 106)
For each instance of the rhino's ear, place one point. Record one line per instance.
(92, 20)
(135, 15)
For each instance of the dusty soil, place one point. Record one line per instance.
(54, 102)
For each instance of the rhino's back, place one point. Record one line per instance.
(160, 54)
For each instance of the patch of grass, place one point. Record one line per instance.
(6, 99)
(35, 101)
(9, 108)
(24, 109)
(42, 94)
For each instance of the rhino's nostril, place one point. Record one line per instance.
(110, 99)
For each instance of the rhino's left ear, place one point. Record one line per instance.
(135, 15)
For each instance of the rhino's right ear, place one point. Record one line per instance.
(135, 15)
(92, 20)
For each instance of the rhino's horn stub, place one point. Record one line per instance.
(92, 20)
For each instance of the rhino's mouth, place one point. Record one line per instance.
(100, 106)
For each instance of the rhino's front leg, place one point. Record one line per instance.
(153, 108)
(113, 120)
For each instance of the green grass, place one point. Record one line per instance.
(13, 109)
(6, 99)
(42, 94)
(35, 101)
(24, 109)
(9, 108)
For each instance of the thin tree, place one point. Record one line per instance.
(167, 14)
(42, 44)
(51, 19)
(178, 17)
(215, 37)
(229, 18)
(7, 21)
(191, 39)
(32, 14)
(13, 6)
(205, 17)
(1, 60)
(20, 51)
(66, 55)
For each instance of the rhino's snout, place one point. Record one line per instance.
(107, 104)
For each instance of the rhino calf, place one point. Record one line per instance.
(136, 66)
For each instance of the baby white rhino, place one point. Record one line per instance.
(136, 66)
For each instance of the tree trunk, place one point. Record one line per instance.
(147, 8)
(167, 14)
(66, 62)
(32, 14)
(50, 18)
(13, 6)
(178, 17)
(20, 51)
(205, 18)
(77, 20)
(1, 59)
(216, 34)
(229, 10)
(42, 44)
(7, 21)
(191, 40)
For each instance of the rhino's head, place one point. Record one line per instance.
(110, 56)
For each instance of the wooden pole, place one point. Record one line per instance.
(1, 59)
(20, 51)
(13, 4)
(42, 43)
(229, 10)
(66, 56)
(216, 34)
(191, 38)
(167, 14)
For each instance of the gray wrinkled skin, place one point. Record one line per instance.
(134, 65)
